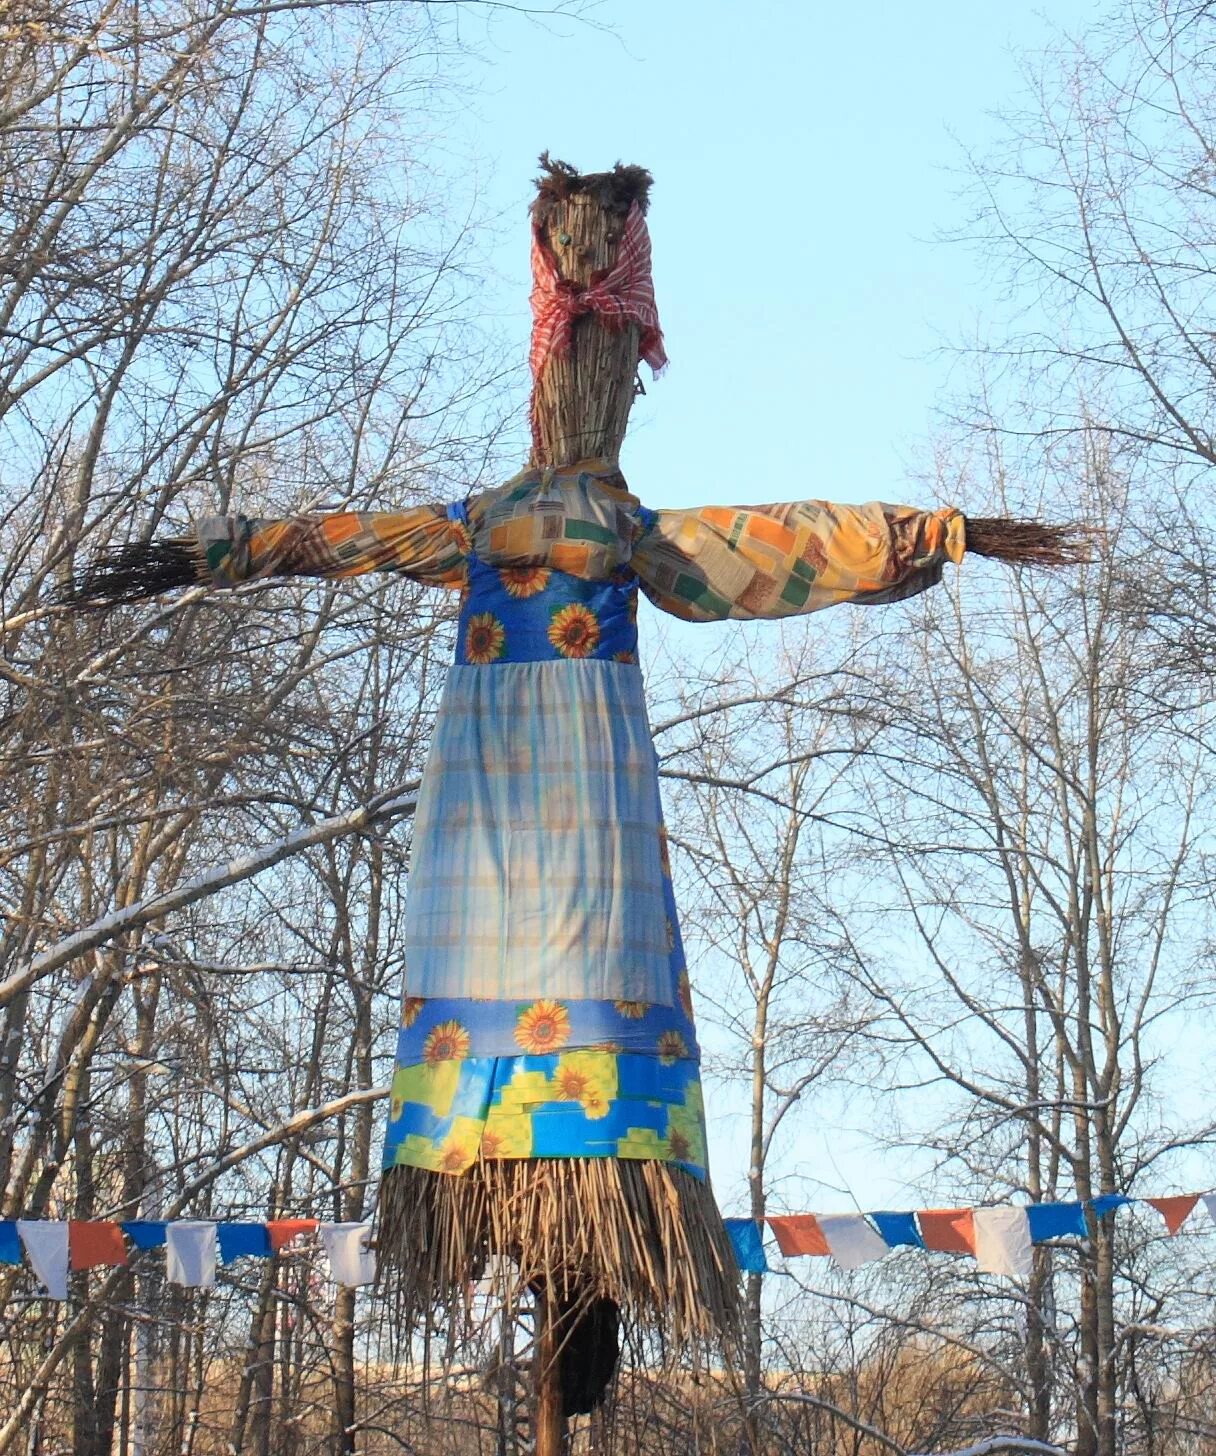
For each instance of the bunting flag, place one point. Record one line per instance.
(999, 1237)
(851, 1239)
(46, 1247)
(1002, 1241)
(10, 1243)
(145, 1235)
(1175, 1211)
(744, 1235)
(1056, 1221)
(94, 1245)
(281, 1231)
(244, 1240)
(351, 1262)
(190, 1254)
(898, 1228)
(798, 1233)
(948, 1230)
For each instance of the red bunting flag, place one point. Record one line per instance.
(1174, 1210)
(948, 1230)
(798, 1233)
(91, 1245)
(282, 1230)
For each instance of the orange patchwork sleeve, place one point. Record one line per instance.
(772, 561)
(421, 543)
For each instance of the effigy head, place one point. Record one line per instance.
(593, 309)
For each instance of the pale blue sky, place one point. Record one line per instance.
(806, 157)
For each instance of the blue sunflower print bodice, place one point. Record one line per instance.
(538, 614)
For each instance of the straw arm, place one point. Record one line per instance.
(134, 572)
(773, 561)
(226, 551)
(1030, 542)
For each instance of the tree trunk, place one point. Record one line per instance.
(253, 1399)
(753, 1314)
(361, 971)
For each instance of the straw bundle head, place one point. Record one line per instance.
(613, 192)
(581, 399)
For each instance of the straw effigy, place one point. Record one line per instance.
(593, 1236)
(606, 1227)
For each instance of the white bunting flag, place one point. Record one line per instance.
(351, 1262)
(851, 1239)
(46, 1247)
(190, 1254)
(1002, 1241)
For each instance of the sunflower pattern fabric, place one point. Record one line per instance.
(547, 1008)
(585, 1103)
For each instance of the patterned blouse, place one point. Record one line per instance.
(704, 565)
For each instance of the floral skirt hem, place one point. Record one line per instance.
(585, 1103)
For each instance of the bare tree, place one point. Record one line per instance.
(753, 756)
(1047, 837)
(1093, 215)
(223, 270)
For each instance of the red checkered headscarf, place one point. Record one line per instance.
(618, 295)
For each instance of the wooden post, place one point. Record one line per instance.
(548, 1422)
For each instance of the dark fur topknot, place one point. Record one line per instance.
(615, 191)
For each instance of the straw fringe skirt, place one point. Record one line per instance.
(645, 1234)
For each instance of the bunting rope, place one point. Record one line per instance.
(56, 1248)
(999, 1237)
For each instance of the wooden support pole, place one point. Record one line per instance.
(548, 1423)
